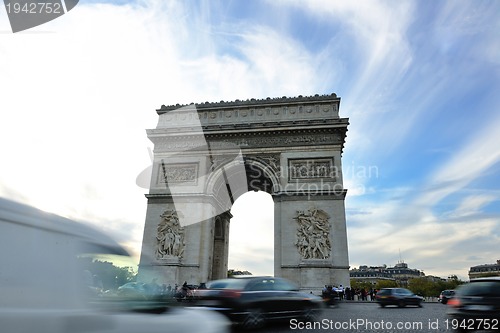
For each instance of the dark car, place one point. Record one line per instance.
(476, 305)
(251, 301)
(445, 296)
(398, 296)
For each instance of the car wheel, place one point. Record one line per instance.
(401, 304)
(381, 305)
(253, 320)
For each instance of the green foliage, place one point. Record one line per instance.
(385, 284)
(107, 274)
(427, 287)
(424, 287)
(357, 284)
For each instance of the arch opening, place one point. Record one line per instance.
(243, 189)
(252, 232)
(234, 179)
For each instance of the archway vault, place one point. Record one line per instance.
(236, 178)
(207, 155)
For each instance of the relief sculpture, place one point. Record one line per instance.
(170, 236)
(313, 234)
(177, 173)
(311, 169)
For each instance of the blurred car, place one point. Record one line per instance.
(47, 284)
(137, 290)
(476, 305)
(250, 301)
(445, 295)
(398, 296)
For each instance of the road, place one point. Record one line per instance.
(369, 317)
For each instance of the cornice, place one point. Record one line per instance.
(253, 102)
(276, 137)
(269, 128)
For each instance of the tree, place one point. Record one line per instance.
(233, 272)
(385, 284)
(106, 274)
(357, 284)
(424, 287)
(427, 287)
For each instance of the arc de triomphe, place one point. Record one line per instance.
(207, 155)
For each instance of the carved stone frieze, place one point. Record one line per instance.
(313, 234)
(219, 160)
(170, 236)
(311, 169)
(270, 161)
(259, 140)
(186, 173)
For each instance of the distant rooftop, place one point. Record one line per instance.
(253, 101)
(487, 265)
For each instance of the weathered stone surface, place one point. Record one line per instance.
(207, 155)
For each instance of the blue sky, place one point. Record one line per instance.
(419, 81)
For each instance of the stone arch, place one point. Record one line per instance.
(231, 180)
(207, 155)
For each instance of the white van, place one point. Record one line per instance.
(44, 289)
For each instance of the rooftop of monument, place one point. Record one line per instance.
(253, 102)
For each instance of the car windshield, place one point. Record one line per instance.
(482, 288)
(227, 284)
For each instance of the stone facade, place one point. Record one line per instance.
(399, 273)
(207, 155)
(484, 270)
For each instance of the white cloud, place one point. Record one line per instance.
(374, 36)
(472, 204)
(470, 162)
(79, 94)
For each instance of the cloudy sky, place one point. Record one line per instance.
(419, 81)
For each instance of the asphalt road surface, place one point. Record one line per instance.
(369, 317)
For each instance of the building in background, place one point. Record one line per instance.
(400, 273)
(484, 270)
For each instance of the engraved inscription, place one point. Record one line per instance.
(311, 169)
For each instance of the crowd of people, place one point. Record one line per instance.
(178, 291)
(349, 294)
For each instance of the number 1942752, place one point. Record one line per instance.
(34, 8)
(472, 324)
